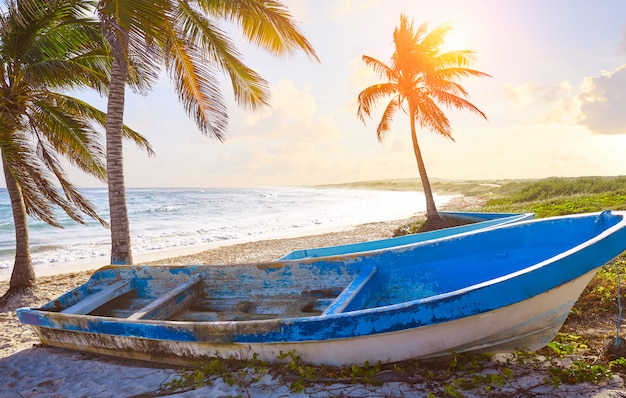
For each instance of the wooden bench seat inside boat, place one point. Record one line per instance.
(98, 302)
(170, 302)
(347, 298)
(99, 298)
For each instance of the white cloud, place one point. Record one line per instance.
(362, 76)
(530, 92)
(546, 103)
(519, 95)
(351, 7)
(292, 117)
(603, 101)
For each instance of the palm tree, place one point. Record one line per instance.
(419, 77)
(183, 35)
(47, 47)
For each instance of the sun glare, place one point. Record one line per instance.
(456, 39)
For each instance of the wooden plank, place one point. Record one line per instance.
(350, 291)
(168, 303)
(95, 300)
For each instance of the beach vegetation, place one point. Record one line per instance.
(418, 80)
(544, 197)
(184, 37)
(578, 372)
(47, 49)
(561, 196)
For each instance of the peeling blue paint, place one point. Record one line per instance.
(425, 284)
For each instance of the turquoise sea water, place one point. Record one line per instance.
(176, 218)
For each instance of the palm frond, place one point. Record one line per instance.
(73, 203)
(32, 176)
(37, 170)
(250, 90)
(382, 69)
(454, 101)
(134, 30)
(385, 121)
(368, 98)
(143, 18)
(60, 47)
(457, 73)
(196, 86)
(457, 58)
(69, 133)
(89, 112)
(267, 24)
(429, 115)
(433, 40)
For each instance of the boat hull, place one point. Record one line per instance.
(499, 289)
(525, 325)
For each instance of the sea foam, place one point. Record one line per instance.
(162, 219)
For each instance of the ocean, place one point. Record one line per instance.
(163, 219)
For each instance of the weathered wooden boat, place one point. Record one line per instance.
(474, 221)
(496, 289)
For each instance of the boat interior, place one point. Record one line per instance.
(316, 287)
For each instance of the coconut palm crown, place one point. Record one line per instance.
(185, 36)
(48, 48)
(420, 78)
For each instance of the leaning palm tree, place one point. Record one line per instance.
(47, 47)
(418, 79)
(184, 36)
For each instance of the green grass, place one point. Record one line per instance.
(559, 196)
(546, 198)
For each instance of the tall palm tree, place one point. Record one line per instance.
(47, 47)
(184, 36)
(419, 78)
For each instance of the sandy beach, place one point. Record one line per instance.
(30, 370)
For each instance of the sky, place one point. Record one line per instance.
(555, 101)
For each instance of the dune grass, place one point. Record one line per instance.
(544, 197)
(559, 196)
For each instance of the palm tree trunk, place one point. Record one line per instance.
(431, 208)
(23, 274)
(120, 230)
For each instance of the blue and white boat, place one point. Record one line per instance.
(496, 289)
(474, 221)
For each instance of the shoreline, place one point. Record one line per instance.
(253, 250)
(196, 251)
(169, 223)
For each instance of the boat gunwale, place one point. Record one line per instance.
(483, 225)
